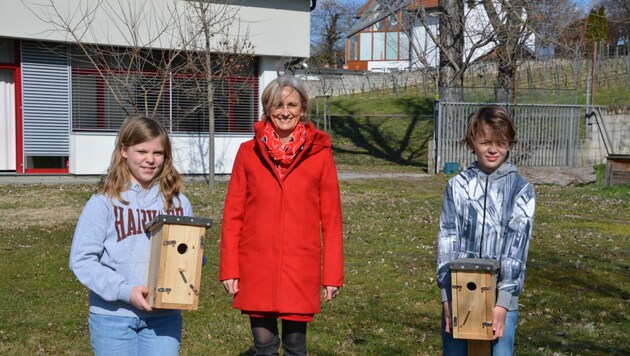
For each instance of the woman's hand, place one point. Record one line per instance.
(446, 307)
(498, 321)
(330, 293)
(231, 286)
(138, 298)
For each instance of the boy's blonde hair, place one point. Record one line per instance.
(136, 130)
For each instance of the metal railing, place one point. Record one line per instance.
(546, 134)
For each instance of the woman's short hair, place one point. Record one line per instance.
(494, 117)
(272, 95)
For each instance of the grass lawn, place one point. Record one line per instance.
(576, 293)
(384, 134)
(575, 300)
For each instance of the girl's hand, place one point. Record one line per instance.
(231, 286)
(330, 293)
(138, 298)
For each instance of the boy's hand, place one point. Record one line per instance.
(446, 306)
(498, 321)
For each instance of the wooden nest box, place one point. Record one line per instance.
(175, 261)
(617, 170)
(474, 283)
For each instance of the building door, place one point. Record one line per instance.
(46, 108)
(7, 121)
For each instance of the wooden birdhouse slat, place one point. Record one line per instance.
(175, 261)
(473, 283)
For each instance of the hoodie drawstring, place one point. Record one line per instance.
(483, 225)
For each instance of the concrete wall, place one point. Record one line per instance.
(592, 151)
(365, 82)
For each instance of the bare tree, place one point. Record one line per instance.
(329, 21)
(218, 55)
(451, 45)
(444, 29)
(509, 22)
(557, 25)
(618, 14)
(189, 47)
(503, 31)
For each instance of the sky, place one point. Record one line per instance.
(584, 5)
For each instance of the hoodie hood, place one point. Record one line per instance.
(503, 170)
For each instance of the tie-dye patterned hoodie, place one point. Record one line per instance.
(490, 217)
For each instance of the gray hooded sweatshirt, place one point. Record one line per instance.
(110, 248)
(490, 217)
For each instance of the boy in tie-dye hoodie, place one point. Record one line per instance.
(487, 212)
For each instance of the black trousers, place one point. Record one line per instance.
(267, 341)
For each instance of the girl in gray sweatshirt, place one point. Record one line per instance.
(110, 247)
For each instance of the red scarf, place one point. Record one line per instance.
(283, 156)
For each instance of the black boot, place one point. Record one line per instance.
(298, 350)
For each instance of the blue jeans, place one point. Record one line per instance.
(503, 346)
(119, 335)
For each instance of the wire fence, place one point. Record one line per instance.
(563, 80)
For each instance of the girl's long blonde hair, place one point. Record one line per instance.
(136, 130)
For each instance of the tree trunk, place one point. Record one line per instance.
(211, 171)
(451, 79)
(210, 92)
(505, 77)
(331, 39)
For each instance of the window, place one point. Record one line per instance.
(404, 46)
(101, 102)
(392, 45)
(379, 46)
(7, 51)
(353, 49)
(234, 101)
(366, 46)
(384, 40)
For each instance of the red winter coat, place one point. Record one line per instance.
(274, 231)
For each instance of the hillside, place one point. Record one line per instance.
(392, 127)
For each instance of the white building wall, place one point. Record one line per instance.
(90, 153)
(387, 66)
(424, 45)
(274, 27)
(277, 29)
(477, 29)
(268, 68)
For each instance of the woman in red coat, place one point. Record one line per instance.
(282, 231)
